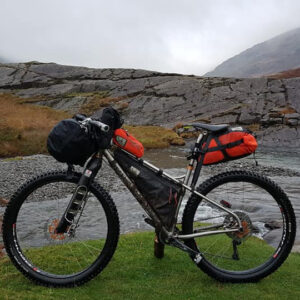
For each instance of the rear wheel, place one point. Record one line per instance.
(267, 218)
(59, 260)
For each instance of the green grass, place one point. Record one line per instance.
(134, 273)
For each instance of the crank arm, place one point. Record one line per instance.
(178, 244)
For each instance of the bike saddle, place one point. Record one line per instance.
(212, 128)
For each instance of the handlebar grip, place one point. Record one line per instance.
(101, 125)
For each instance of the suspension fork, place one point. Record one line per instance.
(79, 197)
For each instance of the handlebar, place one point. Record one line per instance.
(99, 124)
(85, 121)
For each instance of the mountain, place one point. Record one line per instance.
(275, 55)
(269, 106)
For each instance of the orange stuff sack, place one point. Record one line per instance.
(127, 142)
(235, 143)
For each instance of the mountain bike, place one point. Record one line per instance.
(61, 228)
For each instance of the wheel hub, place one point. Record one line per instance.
(239, 236)
(52, 231)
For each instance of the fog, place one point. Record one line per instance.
(191, 36)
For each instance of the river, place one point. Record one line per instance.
(282, 167)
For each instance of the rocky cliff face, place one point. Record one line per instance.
(269, 106)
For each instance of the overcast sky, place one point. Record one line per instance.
(183, 36)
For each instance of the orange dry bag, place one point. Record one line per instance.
(127, 142)
(235, 143)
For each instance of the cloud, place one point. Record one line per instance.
(191, 36)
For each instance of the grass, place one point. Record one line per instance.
(98, 100)
(134, 273)
(155, 136)
(24, 128)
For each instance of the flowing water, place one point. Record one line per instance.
(173, 161)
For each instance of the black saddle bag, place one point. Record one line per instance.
(161, 193)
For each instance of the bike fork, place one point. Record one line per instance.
(79, 197)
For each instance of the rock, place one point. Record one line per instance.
(275, 86)
(280, 136)
(291, 122)
(292, 116)
(293, 92)
(153, 98)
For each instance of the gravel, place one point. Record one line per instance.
(15, 172)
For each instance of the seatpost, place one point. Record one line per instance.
(190, 166)
(198, 149)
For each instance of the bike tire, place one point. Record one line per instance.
(58, 260)
(258, 258)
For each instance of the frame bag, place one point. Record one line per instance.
(234, 143)
(160, 192)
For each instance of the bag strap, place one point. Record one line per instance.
(222, 148)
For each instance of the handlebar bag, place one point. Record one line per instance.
(127, 142)
(234, 143)
(71, 143)
(161, 193)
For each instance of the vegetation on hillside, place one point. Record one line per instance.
(155, 136)
(285, 74)
(24, 127)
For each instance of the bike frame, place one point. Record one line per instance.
(69, 221)
(171, 234)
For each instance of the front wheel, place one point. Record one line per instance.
(59, 260)
(267, 218)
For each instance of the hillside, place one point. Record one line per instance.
(275, 55)
(269, 106)
(285, 74)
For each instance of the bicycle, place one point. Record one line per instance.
(73, 229)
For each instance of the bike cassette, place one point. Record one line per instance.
(239, 236)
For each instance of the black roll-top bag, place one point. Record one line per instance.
(72, 143)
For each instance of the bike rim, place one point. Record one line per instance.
(48, 253)
(262, 217)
